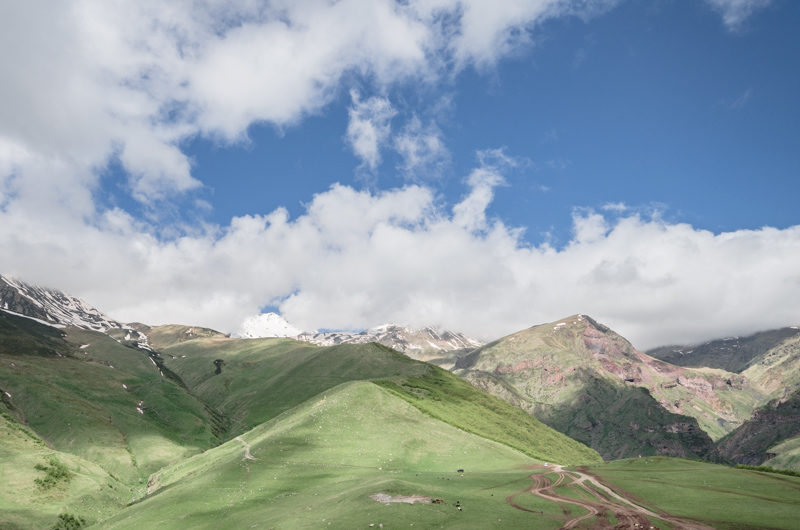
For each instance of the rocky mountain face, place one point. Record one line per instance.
(583, 379)
(768, 364)
(56, 308)
(770, 425)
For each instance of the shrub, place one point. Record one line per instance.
(69, 522)
(55, 472)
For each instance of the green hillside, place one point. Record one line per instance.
(85, 393)
(785, 455)
(160, 337)
(251, 381)
(452, 400)
(317, 465)
(64, 480)
(622, 420)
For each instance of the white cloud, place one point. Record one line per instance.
(615, 207)
(369, 128)
(89, 80)
(735, 12)
(422, 149)
(358, 258)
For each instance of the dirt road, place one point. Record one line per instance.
(603, 500)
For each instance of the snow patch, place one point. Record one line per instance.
(40, 321)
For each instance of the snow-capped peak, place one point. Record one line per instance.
(265, 325)
(52, 306)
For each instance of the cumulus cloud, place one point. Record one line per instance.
(735, 12)
(91, 80)
(369, 128)
(422, 149)
(359, 258)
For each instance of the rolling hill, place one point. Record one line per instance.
(115, 412)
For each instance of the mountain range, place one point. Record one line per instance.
(430, 344)
(120, 403)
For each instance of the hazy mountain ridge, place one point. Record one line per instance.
(734, 354)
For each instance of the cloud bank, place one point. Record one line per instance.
(357, 258)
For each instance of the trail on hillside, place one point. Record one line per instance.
(628, 514)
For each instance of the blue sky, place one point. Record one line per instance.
(480, 166)
(653, 104)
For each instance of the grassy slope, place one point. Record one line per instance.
(777, 372)
(448, 398)
(714, 495)
(787, 455)
(261, 378)
(91, 493)
(75, 400)
(317, 464)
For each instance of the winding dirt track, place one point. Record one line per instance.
(629, 514)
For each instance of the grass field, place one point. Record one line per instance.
(718, 496)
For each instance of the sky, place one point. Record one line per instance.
(481, 166)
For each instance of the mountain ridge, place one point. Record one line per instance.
(575, 374)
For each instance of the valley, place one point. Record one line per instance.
(137, 426)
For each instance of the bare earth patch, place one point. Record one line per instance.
(382, 497)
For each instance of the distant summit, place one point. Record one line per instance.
(401, 338)
(265, 325)
(432, 344)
